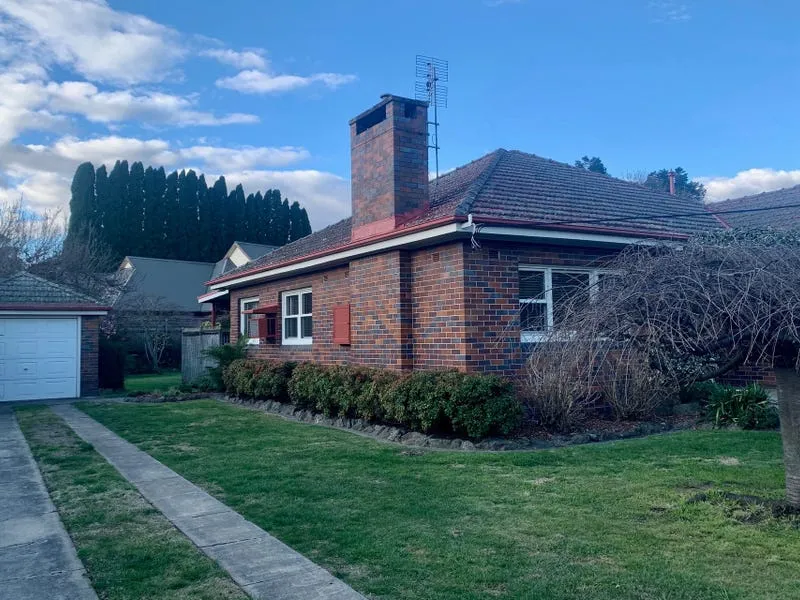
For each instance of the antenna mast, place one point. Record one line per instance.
(431, 73)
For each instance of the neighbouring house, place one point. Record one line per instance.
(174, 285)
(459, 272)
(48, 340)
(779, 209)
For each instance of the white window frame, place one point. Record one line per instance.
(243, 320)
(531, 337)
(298, 341)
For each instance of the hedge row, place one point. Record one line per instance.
(426, 401)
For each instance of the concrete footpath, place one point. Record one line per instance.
(37, 558)
(263, 566)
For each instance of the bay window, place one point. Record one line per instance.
(297, 322)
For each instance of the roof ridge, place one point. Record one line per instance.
(60, 286)
(176, 260)
(476, 186)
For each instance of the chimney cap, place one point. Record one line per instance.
(386, 99)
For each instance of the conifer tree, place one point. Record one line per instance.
(82, 206)
(116, 234)
(102, 200)
(155, 182)
(134, 210)
(236, 216)
(205, 226)
(188, 231)
(218, 200)
(171, 217)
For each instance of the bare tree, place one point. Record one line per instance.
(636, 176)
(691, 312)
(38, 243)
(27, 238)
(147, 320)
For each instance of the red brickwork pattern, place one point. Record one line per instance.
(90, 340)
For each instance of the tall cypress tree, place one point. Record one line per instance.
(102, 200)
(171, 217)
(189, 226)
(298, 222)
(258, 231)
(82, 206)
(134, 210)
(275, 234)
(155, 183)
(205, 226)
(116, 234)
(250, 225)
(236, 216)
(218, 199)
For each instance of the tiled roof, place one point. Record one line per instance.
(784, 218)
(24, 289)
(515, 186)
(177, 282)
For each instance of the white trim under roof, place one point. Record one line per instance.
(209, 296)
(452, 230)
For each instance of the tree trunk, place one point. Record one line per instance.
(789, 400)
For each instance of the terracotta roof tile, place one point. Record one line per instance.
(785, 218)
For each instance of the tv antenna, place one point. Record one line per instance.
(431, 73)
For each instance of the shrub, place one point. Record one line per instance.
(699, 392)
(224, 354)
(557, 385)
(482, 404)
(253, 378)
(748, 407)
(111, 364)
(631, 387)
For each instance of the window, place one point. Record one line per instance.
(248, 323)
(297, 322)
(545, 293)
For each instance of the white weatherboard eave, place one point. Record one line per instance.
(500, 232)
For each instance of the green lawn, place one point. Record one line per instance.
(598, 521)
(155, 382)
(129, 549)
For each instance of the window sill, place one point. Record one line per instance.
(253, 342)
(304, 342)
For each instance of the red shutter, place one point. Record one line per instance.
(341, 324)
(262, 328)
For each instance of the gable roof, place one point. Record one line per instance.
(24, 290)
(178, 282)
(765, 214)
(518, 188)
(255, 251)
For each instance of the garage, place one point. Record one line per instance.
(49, 338)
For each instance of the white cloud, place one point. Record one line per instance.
(669, 11)
(260, 82)
(746, 183)
(248, 59)
(93, 39)
(42, 173)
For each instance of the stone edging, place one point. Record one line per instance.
(405, 437)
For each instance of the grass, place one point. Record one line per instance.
(603, 521)
(153, 382)
(129, 549)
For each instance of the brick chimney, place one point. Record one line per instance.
(389, 165)
(672, 183)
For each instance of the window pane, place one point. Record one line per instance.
(290, 327)
(531, 284)
(307, 303)
(533, 317)
(569, 290)
(305, 327)
(249, 305)
(292, 305)
(252, 327)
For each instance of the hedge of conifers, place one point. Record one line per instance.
(446, 402)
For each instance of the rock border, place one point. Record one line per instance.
(398, 435)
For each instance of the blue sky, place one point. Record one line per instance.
(262, 91)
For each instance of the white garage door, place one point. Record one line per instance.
(38, 358)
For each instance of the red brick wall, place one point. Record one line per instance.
(389, 167)
(90, 340)
(329, 288)
(437, 293)
(491, 298)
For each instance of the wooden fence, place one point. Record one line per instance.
(194, 362)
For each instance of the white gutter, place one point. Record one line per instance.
(453, 230)
(54, 313)
(207, 297)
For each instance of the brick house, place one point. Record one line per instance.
(459, 272)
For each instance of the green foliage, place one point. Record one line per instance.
(697, 392)
(748, 407)
(427, 401)
(143, 211)
(659, 180)
(593, 164)
(224, 354)
(111, 364)
(251, 378)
